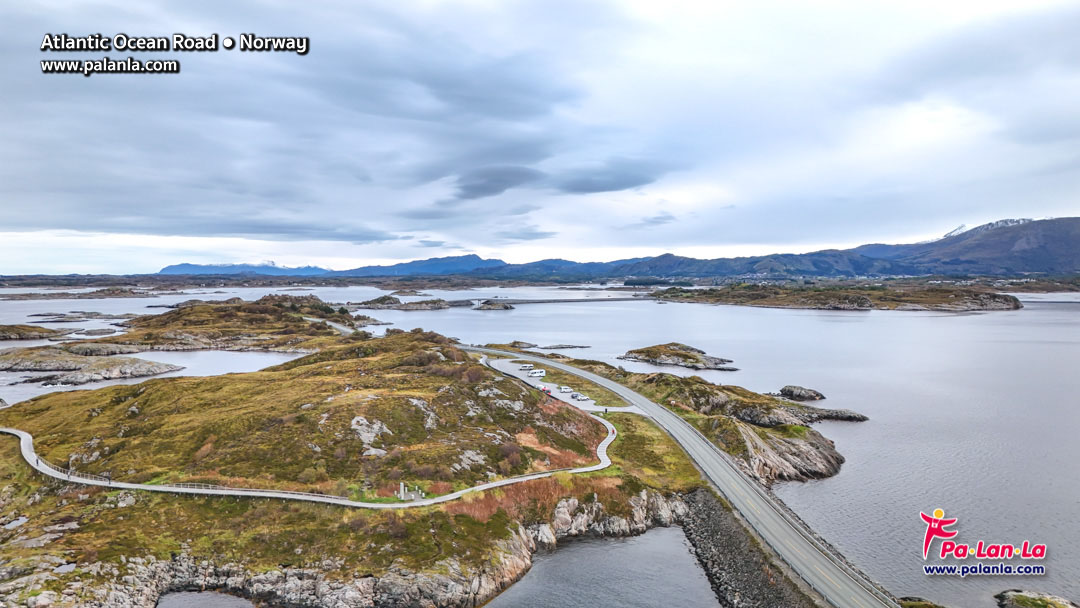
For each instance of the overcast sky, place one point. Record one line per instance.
(525, 130)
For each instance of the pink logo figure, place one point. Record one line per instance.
(935, 528)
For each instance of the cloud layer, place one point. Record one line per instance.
(587, 130)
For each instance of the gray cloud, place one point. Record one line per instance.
(612, 175)
(489, 181)
(525, 233)
(659, 219)
(407, 127)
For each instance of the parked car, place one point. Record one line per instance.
(575, 395)
(565, 389)
(545, 390)
(526, 366)
(537, 373)
(582, 397)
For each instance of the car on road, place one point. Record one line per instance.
(574, 395)
(537, 373)
(545, 390)
(582, 397)
(526, 366)
(565, 389)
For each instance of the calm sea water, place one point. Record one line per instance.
(973, 413)
(205, 599)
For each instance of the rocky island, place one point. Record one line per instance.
(97, 294)
(392, 303)
(78, 368)
(675, 353)
(800, 393)
(29, 332)
(494, 305)
(844, 297)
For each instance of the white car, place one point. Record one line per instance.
(565, 389)
(582, 397)
(537, 373)
(526, 366)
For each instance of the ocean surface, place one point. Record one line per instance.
(974, 413)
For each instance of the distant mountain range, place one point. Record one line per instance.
(1005, 247)
(269, 268)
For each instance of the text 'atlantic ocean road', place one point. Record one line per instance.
(124, 43)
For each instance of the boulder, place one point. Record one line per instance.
(801, 393)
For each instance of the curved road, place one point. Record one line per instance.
(839, 584)
(836, 582)
(26, 446)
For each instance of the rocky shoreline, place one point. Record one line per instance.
(740, 573)
(78, 368)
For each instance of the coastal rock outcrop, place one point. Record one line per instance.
(114, 368)
(140, 581)
(392, 303)
(494, 305)
(29, 332)
(800, 393)
(675, 353)
(798, 455)
(79, 369)
(100, 349)
(809, 414)
(1015, 598)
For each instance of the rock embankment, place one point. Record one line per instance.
(739, 572)
(675, 353)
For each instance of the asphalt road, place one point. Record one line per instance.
(826, 573)
(26, 447)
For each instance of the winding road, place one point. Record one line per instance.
(827, 573)
(26, 447)
(814, 562)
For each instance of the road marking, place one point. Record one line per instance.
(825, 575)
